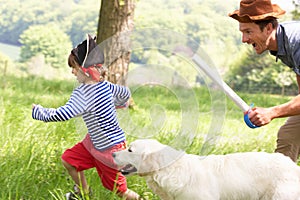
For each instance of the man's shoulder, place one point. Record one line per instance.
(291, 30)
(290, 25)
(292, 22)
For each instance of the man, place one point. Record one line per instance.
(260, 28)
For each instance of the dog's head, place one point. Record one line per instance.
(145, 156)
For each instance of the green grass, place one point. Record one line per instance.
(30, 150)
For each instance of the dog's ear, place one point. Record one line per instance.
(158, 160)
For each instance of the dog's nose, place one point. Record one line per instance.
(113, 155)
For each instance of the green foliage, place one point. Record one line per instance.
(296, 12)
(18, 15)
(82, 20)
(202, 21)
(47, 40)
(75, 19)
(260, 73)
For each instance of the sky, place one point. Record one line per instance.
(285, 4)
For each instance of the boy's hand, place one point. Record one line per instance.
(123, 106)
(33, 105)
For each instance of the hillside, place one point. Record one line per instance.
(13, 52)
(205, 22)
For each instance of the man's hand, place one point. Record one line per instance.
(260, 116)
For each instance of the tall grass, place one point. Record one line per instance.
(30, 150)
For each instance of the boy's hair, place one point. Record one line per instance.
(72, 61)
(263, 23)
(96, 72)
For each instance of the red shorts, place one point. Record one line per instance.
(84, 156)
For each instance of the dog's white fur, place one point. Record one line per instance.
(175, 175)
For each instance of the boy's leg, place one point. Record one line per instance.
(77, 177)
(76, 160)
(288, 141)
(111, 178)
(129, 194)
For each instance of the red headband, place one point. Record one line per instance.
(92, 72)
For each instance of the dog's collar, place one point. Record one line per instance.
(143, 174)
(146, 173)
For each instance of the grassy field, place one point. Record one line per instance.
(30, 150)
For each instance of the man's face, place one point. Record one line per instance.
(251, 34)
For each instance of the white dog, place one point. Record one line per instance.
(173, 174)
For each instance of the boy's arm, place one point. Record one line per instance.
(73, 108)
(46, 114)
(121, 95)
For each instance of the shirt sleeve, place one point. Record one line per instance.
(74, 107)
(121, 94)
(297, 57)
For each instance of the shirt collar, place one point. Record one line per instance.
(280, 43)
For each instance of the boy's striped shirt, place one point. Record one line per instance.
(96, 104)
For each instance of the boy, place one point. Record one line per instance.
(95, 100)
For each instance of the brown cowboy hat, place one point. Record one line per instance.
(254, 10)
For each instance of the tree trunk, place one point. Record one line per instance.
(114, 27)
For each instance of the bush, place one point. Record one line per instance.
(47, 40)
(260, 73)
